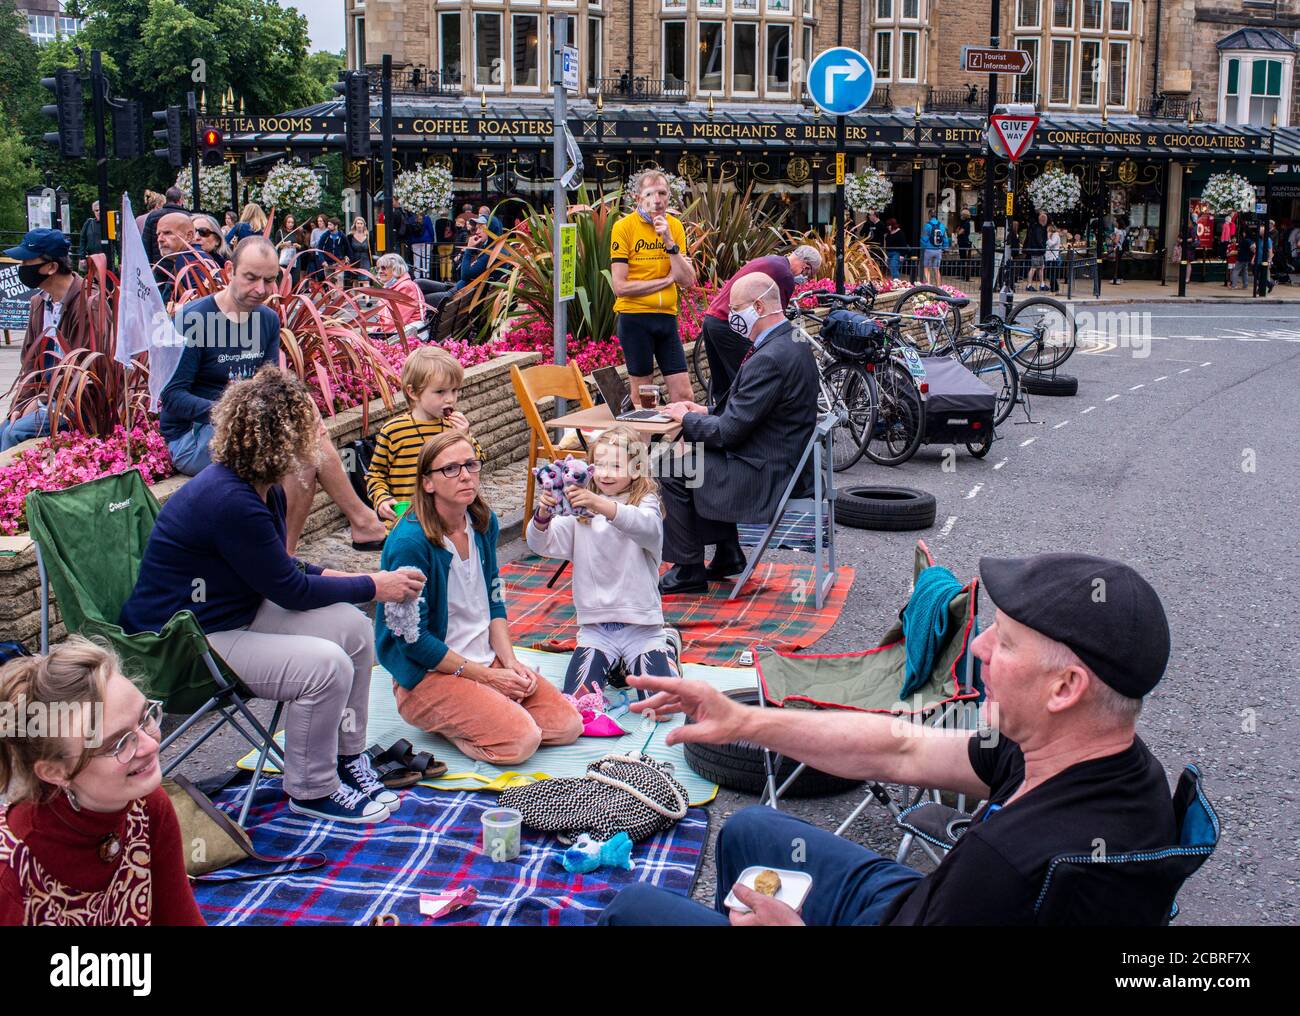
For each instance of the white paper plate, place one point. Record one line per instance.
(795, 886)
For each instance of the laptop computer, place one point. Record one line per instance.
(613, 389)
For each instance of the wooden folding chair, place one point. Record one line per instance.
(531, 385)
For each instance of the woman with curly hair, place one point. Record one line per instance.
(287, 628)
(89, 838)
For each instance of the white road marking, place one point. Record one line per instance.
(947, 526)
(1060, 425)
(1174, 359)
(1029, 441)
(1000, 464)
(1162, 377)
(1112, 398)
(1136, 387)
(1088, 410)
(973, 491)
(1197, 338)
(1184, 370)
(1207, 363)
(1251, 338)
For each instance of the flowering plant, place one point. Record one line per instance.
(214, 185)
(291, 187)
(868, 190)
(1055, 191)
(1229, 192)
(425, 190)
(71, 457)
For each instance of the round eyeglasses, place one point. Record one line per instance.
(126, 746)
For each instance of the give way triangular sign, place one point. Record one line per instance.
(1015, 132)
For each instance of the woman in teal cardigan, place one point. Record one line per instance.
(457, 674)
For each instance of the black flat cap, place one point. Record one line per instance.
(1103, 610)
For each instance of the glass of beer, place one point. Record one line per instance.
(649, 396)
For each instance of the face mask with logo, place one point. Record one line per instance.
(742, 321)
(799, 280)
(645, 216)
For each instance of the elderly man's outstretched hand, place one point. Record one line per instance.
(717, 719)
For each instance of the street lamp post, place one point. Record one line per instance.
(987, 237)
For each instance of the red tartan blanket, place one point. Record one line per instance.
(776, 608)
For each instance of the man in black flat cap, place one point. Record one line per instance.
(1077, 643)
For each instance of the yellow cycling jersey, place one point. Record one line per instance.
(635, 243)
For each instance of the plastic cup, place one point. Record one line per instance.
(400, 508)
(649, 395)
(501, 833)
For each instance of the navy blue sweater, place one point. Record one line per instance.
(218, 549)
(216, 351)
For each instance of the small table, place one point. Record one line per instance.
(600, 418)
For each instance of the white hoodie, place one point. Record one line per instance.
(615, 564)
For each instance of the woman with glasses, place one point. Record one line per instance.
(456, 673)
(287, 628)
(209, 239)
(89, 837)
(394, 275)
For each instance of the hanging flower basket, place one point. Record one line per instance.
(214, 186)
(1055, 192)
(868, 190)
(425, 190)
(291, 187)
(678, 190)
(1226, 193)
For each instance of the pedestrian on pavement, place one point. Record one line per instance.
(494, 224)
(152, 200)
(964, 229)
(1036, 248)
(1119, 243)
(723, 346)
(210, 239)
(174, 270)
(1052, 257)
(59, 320)
(1068, 673)
(895, 246)
(1261, 257)
(648, 268)
(934, 241)
(358, 251)
(91, 235)
(172, 202)
(252, 222)
(289, 243)
(333, 250)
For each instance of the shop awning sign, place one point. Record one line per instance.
(1011, 134)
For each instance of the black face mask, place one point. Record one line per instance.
(31, 276)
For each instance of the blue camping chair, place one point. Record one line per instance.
(1066, 895)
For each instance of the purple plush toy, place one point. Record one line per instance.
(550, 478)
(556, 476)
(577, 472)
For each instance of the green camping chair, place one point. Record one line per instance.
(90, 540)
(870, 681)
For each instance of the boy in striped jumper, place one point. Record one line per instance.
(431, 379)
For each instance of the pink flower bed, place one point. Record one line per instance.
(69, 458)
(806, 293)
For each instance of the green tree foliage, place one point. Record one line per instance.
(20, 115)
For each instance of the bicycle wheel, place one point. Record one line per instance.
(948, 323)
(997, 370)
(1055, 323)
(700, 364)
(850, 388)
(900, 416)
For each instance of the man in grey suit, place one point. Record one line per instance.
(751, 441)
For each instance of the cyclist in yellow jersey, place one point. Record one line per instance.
(647, 267)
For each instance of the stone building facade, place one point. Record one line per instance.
(1140, 57)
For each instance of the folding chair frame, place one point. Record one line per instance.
(966, 710)
(562, 382)
(821, 505)
(227, 702)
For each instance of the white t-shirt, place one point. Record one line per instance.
(468, 615)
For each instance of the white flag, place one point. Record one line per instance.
(142, 322)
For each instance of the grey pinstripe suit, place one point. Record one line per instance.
(751, 443)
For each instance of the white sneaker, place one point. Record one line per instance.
(359, 775)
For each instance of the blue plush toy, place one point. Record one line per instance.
(587, 854)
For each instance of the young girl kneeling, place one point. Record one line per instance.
(616, 555)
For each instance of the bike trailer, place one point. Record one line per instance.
(960, 406)
(853, 336)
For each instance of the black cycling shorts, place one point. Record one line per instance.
(646, 338)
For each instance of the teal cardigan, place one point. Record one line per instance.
(408, 547)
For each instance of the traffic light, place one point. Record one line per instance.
(67, 110)
(128, 130)
(171, 134)
(212, 147)
(354, 86)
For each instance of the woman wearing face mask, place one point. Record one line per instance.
(89, 838)
(723, 346)
(59, 320)
(396, 276)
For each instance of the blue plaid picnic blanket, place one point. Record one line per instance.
(430, 844)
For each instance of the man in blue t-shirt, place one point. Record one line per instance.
(232, 335)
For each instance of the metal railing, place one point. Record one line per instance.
(1168, 107)
(637, 89)
(971, 99)
(880, 99)
(420, 81)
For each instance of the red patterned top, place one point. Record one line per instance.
(51, 872)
